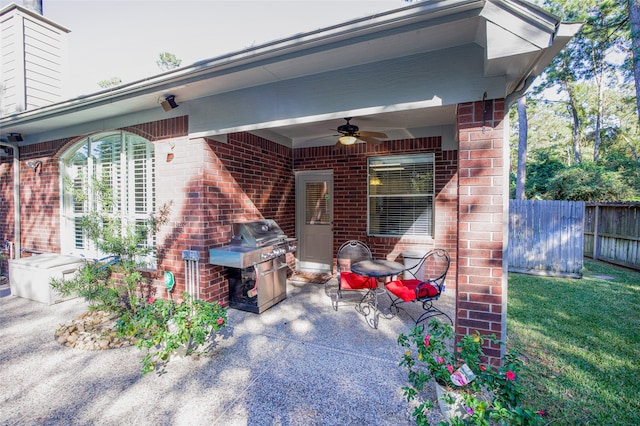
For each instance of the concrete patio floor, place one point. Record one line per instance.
(298, 363)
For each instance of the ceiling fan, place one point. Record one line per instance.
(350, 134)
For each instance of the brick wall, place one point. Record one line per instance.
(214, 184)
(349, 165)
(481, 296)
(40, 206)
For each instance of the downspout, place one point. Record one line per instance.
(16, 195)
(511, 97)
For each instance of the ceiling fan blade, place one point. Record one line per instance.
(369, 139)
(373, 134)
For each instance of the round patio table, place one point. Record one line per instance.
(378, 269)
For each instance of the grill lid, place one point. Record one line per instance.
(257, 233)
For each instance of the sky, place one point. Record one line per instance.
(117, 38)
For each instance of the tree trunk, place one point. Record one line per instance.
(597, 140)
(599, 77)
(576, 125)
(634, 153)
(523, 126)
(634, 18)
(576, 134)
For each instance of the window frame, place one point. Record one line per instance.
(421, 162)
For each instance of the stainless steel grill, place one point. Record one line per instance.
(256, 261)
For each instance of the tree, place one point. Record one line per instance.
(588, 182)
(589, 58)
(545, 164)
(127, 247)
(605, 34)
(522, 147)
(634, 26)
(584, 143)
(168, 61)
(113, 81)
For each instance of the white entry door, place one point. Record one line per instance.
(314, 221)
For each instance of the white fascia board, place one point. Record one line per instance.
(524, 18)
(537, 30)
(520, 40)
(565, 32)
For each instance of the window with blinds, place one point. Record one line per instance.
(317, 205)
(401, 195)
(123, 163)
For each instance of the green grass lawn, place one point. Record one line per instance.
(581, 342)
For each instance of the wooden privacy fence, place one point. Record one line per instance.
(546, 237)
(612, 233)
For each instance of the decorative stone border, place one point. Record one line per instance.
(92, 331)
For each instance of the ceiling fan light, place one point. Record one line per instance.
(347, 140)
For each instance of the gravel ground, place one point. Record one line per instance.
(298, 363)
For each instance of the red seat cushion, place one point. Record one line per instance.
(351, 281)
(406, 289)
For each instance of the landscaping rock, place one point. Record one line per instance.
(92, 331)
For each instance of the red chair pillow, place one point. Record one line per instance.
(351, 281)
(406, 289)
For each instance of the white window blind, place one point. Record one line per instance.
(124, 163)
(317, 203)
(401, 195)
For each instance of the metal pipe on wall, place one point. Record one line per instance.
(16, 196)
(192, 273)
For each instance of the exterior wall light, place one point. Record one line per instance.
(15, 137)
(169, 103)
(36, 166)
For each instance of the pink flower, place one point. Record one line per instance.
(426, 339)
(541, 412)
(220, 321)
(469, 410)
(483, 368)
(510, 375)
(151, 300)
(180, 300)
(450, 368)
(440, 360)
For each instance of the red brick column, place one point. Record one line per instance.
(482, 198)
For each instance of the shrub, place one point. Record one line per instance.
(489, 394)
(162, 327)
